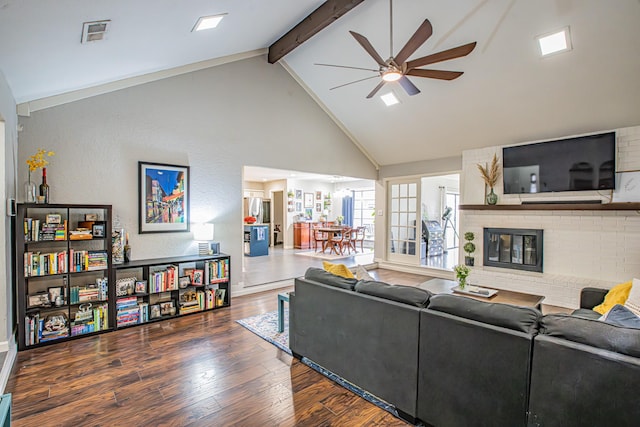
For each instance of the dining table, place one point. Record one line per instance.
(331, 233)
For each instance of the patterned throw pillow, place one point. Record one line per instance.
(633, 302)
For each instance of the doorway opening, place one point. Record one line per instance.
(440, 197)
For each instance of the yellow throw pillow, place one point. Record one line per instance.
(616, 295)
(338, 269)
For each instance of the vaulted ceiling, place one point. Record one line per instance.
(507, 94)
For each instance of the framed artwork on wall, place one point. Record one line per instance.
(298, 194)
(318, 195)
(298, 206)
(308, 200)
(163, 197)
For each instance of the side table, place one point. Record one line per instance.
(282, 297)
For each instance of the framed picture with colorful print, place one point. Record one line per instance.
(163, 197)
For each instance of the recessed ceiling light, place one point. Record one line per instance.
(208, 22)
(556, 42)
(389, 99)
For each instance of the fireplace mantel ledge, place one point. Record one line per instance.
(556, 207)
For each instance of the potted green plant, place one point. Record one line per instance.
(339, 219)
(469, 247)
(462, 271)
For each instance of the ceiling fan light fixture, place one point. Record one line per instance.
(555, 42)
(208, 22)
(391, 75)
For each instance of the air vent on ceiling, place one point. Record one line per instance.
(95, 31)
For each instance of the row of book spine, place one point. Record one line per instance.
(92, 292)
(35, 231)
(205, 300)
(99, 321)
(216, 271)
(88, 260)
(35, 332)
(163, 281)
(131, 312)
(43, 264)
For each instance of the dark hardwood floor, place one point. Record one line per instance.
(199, 370)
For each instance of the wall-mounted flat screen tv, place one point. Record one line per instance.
(572, 164)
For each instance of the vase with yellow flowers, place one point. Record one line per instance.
(35, 162)
(490, 175)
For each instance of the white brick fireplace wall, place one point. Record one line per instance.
(581, 248)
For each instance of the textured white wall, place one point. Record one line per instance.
(214, 120)
(8, 154)
(581, 248)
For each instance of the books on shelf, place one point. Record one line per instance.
(164, 280)
(127, 311)
(88, 260)
(36, 230)
(91, 320)
(216, 271)
(91, 292)
(44, 264)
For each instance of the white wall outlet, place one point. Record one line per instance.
(379, 212)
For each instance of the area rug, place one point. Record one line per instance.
(266, 327)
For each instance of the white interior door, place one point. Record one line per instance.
(404, 227)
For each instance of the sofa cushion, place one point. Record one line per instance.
(621, 316)
(592, 332)
(616, 295)
(523, 319)
(322, 276)
(338, 269)
(586, 313)
(404, 294)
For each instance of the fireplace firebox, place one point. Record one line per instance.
(515, 248)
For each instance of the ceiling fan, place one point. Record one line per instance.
(398, 68)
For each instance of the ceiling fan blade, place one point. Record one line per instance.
(346, 66)
(435, 74)
(364, 42)
(355, 81)
(376, 89)
(445, 55)
(421, 35)
(408, 87)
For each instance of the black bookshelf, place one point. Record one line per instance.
(151, 290)
(51, 264)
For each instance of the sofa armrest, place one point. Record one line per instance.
(590, 297)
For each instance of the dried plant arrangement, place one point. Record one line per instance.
(490, 174)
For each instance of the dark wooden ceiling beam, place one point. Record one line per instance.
(319, 19)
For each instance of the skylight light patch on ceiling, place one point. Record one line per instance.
(208, 22)
(555, 42)
(389, 99)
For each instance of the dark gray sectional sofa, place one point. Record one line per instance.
(448, 360)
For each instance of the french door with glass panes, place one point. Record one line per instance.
(404, 228)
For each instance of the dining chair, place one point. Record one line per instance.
(340, 240)
(319, 238)
(360, 234)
